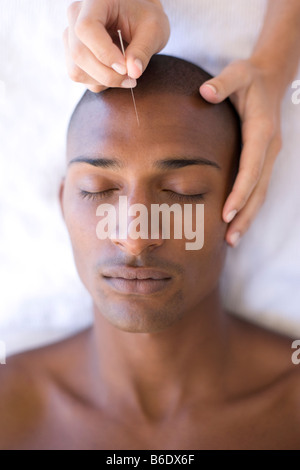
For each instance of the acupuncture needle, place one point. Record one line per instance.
(132, 94)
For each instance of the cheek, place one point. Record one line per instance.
(214, 249)
(203, 267)
(81, 223)
(214, 230)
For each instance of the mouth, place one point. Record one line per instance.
(137, 280)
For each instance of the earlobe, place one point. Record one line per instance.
(61, 196)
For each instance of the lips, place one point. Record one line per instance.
(143, 281)
(136, 273)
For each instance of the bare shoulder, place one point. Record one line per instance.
(264, 349)
(21, 399)
(26, 384)
(266, 381)
(268, 359)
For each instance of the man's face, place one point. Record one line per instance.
(173, 127)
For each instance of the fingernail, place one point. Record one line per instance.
(212, 87)
(139, 64)
(119, 68)
(128, 83)
(230, 216)
(235, 239)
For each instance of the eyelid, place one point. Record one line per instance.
(185, 197)
(96, 195)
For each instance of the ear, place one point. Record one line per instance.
(61, 196)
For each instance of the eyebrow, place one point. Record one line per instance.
(110, 163)
(181, 162)
(165, 164)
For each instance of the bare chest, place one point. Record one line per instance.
(219, 427)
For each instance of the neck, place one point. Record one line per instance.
(158, 372)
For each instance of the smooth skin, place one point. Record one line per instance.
(256, 86)
(170, 370)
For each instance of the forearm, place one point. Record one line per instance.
(278, 46)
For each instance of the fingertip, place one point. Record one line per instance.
(119, 68)
(129, 83)
(209, 92)
(234, 239)
(135, 68)
(229, 216)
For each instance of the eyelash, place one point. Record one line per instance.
(173, 195)
(95, 196)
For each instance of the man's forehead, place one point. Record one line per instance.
(171, 128)
(167, 123)
(114, 103)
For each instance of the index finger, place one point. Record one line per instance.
(90, 28)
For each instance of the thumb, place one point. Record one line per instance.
(147, 40)
(232, 78)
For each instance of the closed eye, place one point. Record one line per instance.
(98, 195)
(184, 197)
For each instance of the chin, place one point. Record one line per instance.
(140, 320)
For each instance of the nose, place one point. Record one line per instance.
(134, 232)
(136, 247)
